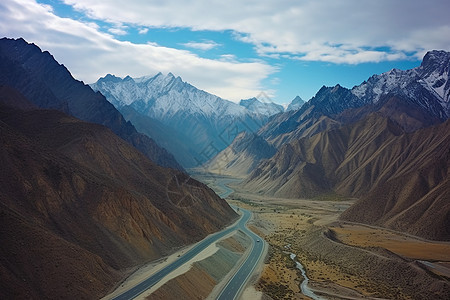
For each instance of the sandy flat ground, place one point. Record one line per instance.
(404, 245)
(250, 293)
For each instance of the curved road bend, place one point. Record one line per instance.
(237, 282)
(199, 247)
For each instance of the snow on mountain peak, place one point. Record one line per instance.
(432, 75)
(264, 108)
(165, 95)
(295, 104)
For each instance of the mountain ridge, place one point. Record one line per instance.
(266, 108)
(394, 173)
(46, 83)
(383, 142)
(204, 123)
(426, 87)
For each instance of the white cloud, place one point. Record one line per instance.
(205, 45)
(346, 31)
(228, 57)
(143, 30)
(117, 31)
(90, 54)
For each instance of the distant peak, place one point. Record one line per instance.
(128, 78)
(295, 104)
(170, 75)
(110, 78)
(395, 71)
(336, 88)
(437, 53)
(434, 56)
(153, 77)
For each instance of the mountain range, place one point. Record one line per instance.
(385, 142)
(424, 89)
(192, 124)
(88, 190)
(81, 204)
(47, 84)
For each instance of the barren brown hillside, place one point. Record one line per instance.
(401, 177)
(78, 206)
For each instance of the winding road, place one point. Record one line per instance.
(236, 284)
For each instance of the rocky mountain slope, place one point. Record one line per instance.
(203, 122)
(385, 142)
(426, 85)
(242, 156)
(79, 206)
(401, 178)
(426, 88)
(47, 84)
(412, 194)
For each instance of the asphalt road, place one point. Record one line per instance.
(199, 247)
(237, 282)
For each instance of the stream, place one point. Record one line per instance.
(226, 191)
(304, 285)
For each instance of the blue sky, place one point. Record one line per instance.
(283, 48)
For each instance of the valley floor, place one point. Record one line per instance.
(342, 260)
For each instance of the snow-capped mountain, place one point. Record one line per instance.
(426, 85)
(162, 97)
(263, 108)
(202, 121)
(421, 92)
(296, 103)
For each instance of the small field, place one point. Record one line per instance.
(401, 244)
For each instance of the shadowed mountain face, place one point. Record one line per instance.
(47, 84)
(78, 205)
